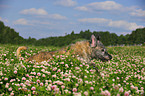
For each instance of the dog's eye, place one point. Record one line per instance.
(103, 50)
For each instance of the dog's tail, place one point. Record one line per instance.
(19, 50)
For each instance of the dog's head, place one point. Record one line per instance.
(98, 49)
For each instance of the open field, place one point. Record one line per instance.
(66, 75)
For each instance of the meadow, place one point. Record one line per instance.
(63, 75)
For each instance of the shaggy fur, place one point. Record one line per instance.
(84, 49)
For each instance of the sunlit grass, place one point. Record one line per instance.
(67, 75)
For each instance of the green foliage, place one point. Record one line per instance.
(9, 36)
(137, 36)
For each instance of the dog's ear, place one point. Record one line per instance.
(93, 41)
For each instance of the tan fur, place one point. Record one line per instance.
(19, 49)
(82, 49)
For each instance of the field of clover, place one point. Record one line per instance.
(69, 75)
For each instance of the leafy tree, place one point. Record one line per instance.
(10, 36)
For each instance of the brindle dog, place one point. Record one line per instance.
(85, 49)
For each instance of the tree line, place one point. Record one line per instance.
(10, 36)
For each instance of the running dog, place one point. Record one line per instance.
(85, 49)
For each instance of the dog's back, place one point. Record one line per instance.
(81, 48)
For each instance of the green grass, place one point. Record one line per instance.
(66, 75)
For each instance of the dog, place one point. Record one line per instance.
(85, 49)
